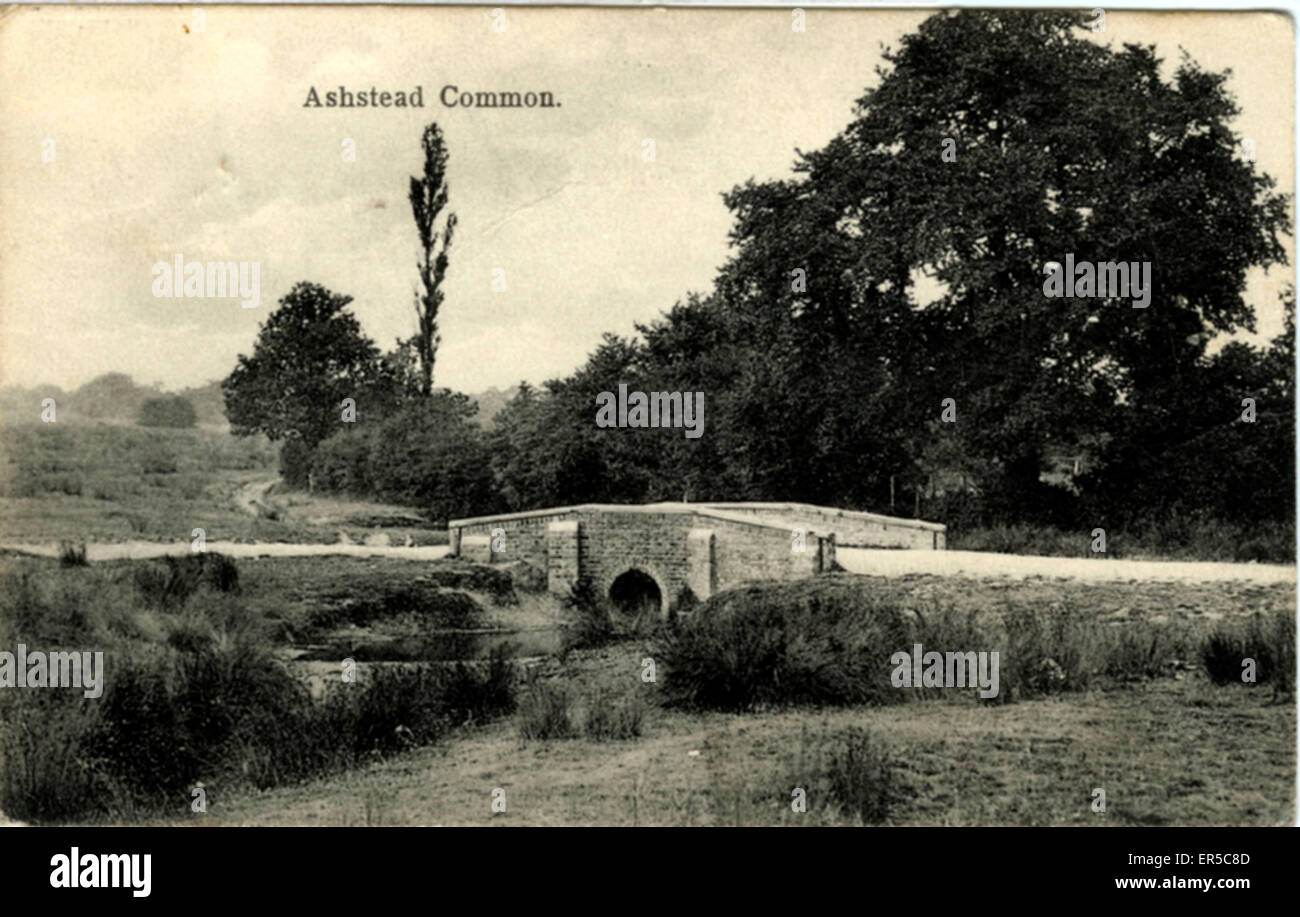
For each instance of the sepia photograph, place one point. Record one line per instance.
(453, 416)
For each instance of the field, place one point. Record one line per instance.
(1167, 752)
(1173, 748)
(116, 483)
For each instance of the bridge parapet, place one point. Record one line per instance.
(673, 548)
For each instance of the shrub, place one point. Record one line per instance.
(606, 717)
(550, 711)
(42, 747)
(139, 738)
(1143, 649)
(592, 625)
(860, 774)
(72, 555)
(849, 770)
(158, 461)
(824, 641)
(196, 695)
(169, 411)
(685, 603)
(1271, 643)
(1048, 650)
(168, 582)
(544, 712)
(474, 692)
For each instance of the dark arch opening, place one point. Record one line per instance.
(635, 595)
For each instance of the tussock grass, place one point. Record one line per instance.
(818, 641)
(829, 641)
(73, 554)
(550, 710)
(193, 693)
(1269, 642)
(1177, 538)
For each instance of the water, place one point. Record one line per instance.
(436, 646)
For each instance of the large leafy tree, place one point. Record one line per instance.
(310, 355)
(1061, 146)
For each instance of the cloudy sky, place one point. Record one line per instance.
(168, 141)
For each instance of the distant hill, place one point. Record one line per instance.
(208, 403)
(24, 404)
(490, 404)
(110, 398)
(116, 398)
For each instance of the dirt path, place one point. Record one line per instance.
(135, 550)
(253, 494)
(981, 564)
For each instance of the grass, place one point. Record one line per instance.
(1167, 751)
(550, 710)
(107, 482)
(195, 692)
(1173, 539)
(545, 714)
(1259, 650)
(848, 773)
(831, 641)
(820, 641)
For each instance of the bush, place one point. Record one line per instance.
(1048, 650)
(592, 625)
(1138, 650)
(1271, 643)
(477, 692)
(168, 582)
(73, 555)
(428, 453)
(550, 711)
(140, 740)
(609, 718)
(823, 641)
(221, 709)
(860, 775)
(544, 712)
(1177, 536)
(850, 770)
(42, 747)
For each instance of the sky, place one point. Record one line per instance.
(179, 135)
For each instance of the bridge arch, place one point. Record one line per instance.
(636, 592)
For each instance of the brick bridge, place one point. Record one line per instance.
(646, 556)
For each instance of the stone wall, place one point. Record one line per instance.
(852, 529)
(703, 547)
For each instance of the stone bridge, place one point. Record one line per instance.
(647, 556)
